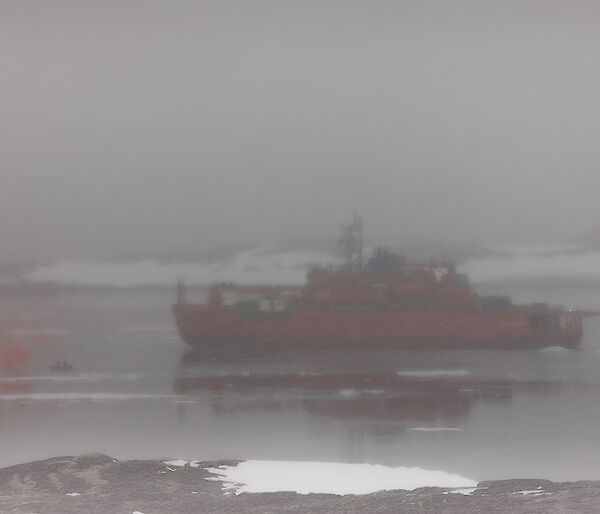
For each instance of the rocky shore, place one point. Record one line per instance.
(95, 483)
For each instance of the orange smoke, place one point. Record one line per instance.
(13, 356)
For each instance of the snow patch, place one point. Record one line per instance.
(467, 491)
(255, 476)
(73, 494)
(179, 463)
(182, 463)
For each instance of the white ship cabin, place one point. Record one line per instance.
(260, 298)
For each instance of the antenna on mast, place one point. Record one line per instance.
(351, 243)
(181, 296)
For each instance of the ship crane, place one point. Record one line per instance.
(584, 314)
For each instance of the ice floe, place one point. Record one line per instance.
(82, 377)
(149, 328)
(255, 476)
(426, 373)
(85, 396)
(34, 332)
(435, 429)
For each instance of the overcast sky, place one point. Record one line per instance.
(143, 126)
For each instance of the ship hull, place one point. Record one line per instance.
(219, 332)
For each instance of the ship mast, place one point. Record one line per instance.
(351, 244)
(181, 296)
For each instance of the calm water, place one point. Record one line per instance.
(136, 391)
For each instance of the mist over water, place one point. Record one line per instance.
(533, 264)
(255, 266)
(136, 391)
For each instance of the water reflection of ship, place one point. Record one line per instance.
(448, 408)
(365, 398)
(338, 396)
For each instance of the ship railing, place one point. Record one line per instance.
(584, 313)
(572, 319)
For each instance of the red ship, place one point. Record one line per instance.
(384, 304)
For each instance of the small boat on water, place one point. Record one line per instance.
(65, 366)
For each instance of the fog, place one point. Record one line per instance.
(145, 127)
(175, 177)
